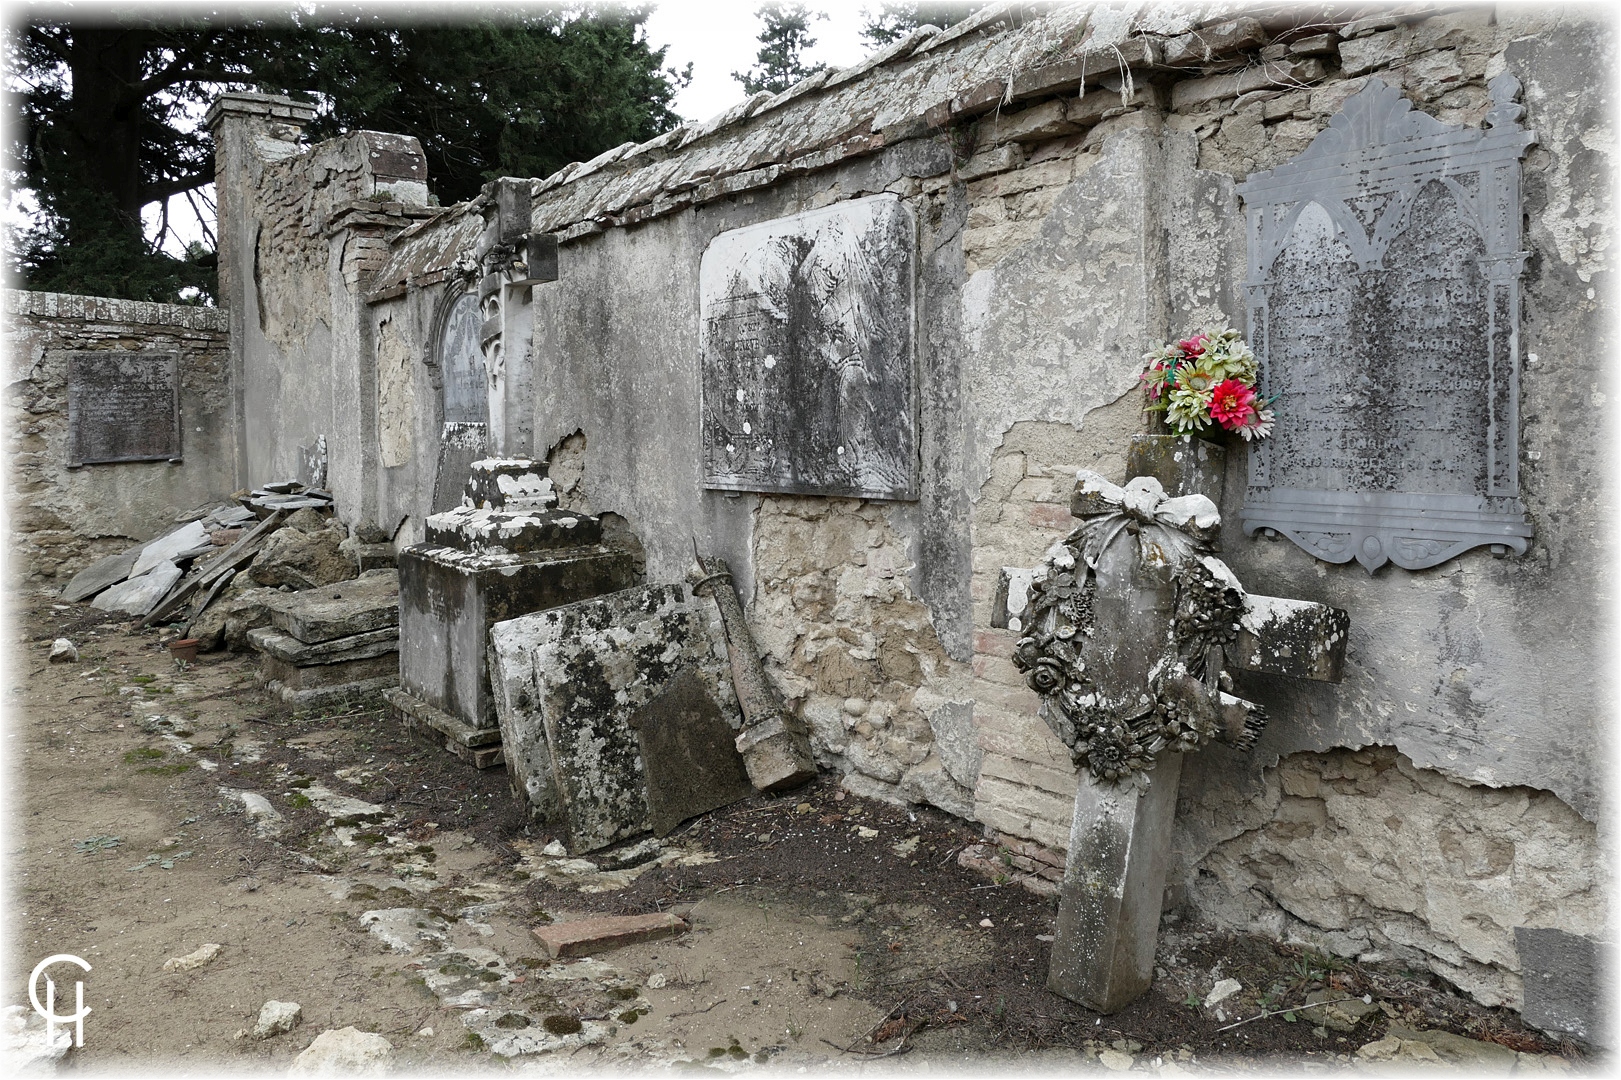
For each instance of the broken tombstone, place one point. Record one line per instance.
(578, 674)
(691, 763)
(139, 595)
(101, 574)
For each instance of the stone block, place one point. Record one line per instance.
(687, 748)
(1183, 464)
(370, 602)
(1564, 982)
(326, 676)
(451, 598)
(1044, 121)
(991, 162)
(288, 649)
(1214, 42)
(484, 529)
(567, 735)
(582, 937)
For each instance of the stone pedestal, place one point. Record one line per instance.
(506, 551)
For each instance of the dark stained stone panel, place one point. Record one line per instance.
(123, 406)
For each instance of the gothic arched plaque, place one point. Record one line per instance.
(1384, 305)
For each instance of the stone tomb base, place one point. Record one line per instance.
(580, 690)
(480, 747)
(331, 642)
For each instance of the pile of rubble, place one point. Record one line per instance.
(260, 574)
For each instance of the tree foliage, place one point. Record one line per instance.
(893, 21)
(110, 105)
(783, 40)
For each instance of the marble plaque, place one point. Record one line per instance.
(1384, 304)
(807, 329)
(464, 395)
(123, 406)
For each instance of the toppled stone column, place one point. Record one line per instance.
(774, 743)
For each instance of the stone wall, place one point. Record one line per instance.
(1074, 210)
(62, 519)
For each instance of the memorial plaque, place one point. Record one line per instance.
(807, 337)
(1384, 305)
(464, 395)
(123, 406)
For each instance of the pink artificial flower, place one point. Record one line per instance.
(1232, 404)
(1193, 346)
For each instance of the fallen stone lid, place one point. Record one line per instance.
(368, 602)
(512, 530)
(508, 483)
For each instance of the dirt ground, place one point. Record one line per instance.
(398, 889)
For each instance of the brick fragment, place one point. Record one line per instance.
(582, 937)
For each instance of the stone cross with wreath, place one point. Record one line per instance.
(1130, 629)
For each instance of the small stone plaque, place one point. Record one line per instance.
(1384, 305)
(807, 336)
(690, 754)
(123, 406)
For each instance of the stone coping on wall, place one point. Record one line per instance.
(1001, 59)
(106, 309)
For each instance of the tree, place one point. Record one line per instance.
(110, 106)
(894, 21)
(779, 63)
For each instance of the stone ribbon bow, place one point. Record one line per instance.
(1126, 649)
(1170, 532)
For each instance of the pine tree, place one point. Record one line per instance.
(894, 21)
(779, 63)
(110, 101)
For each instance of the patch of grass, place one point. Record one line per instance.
(512, 1021)
(562, 1024)
(143, 679)
(167, 770)
(298, 801)
(473, 1041)
(624, 993)
(629, 1016)
(145, 753)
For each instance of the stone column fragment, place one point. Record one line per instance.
(774, 743)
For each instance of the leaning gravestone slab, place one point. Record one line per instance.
(1384, 305)
(690, 754)
(139, 595)
(123, 406)
(565, 725)
(807, 339)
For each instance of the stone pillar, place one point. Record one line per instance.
(247, 128)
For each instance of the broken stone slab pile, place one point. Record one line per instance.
(277, 574)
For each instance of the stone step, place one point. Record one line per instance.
(285, 647)
(368, 602)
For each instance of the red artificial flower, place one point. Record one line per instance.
(1232, 404)
(1193, 346)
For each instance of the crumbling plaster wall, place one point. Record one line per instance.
(63, 519)
(1058, 241)
(303, 230)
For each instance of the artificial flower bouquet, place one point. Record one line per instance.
(1206, 381)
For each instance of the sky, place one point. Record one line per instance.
(719, 37)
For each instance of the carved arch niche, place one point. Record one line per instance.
(1383, 302)
(457, 362)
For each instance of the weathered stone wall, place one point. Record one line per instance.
(62, 519)
(1073, 178)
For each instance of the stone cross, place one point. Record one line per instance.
(1130, 629)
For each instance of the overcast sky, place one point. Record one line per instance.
(719, 37)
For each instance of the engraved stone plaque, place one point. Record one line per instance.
(1384, 305)
(461, 364)
(123, 406)
(807, 336)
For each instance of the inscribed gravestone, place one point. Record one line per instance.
(1383, 303)
(807, 339)
(123, 406)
